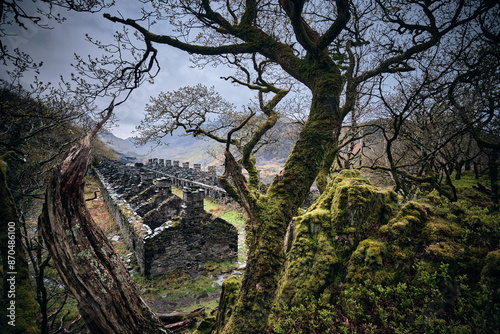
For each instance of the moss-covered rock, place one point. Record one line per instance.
(425, 268)
(408, 223)
(366, 260)
(348, 211)
(229, 294)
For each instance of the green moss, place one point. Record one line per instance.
(310, 316)
(400, 227)
(206, 326)
(407, 224)
(443, 228)
(365, 260)
(490, 274)
(228, 300)
(346, 213)
(430, 268)
(443, 239)
(348, 230)
(446, 251)
(352, 174)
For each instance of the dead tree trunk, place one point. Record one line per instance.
(108, 299)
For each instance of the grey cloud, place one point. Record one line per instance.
(56, 48)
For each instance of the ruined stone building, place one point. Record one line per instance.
(184, 176)
(166, 232)
(184, 171)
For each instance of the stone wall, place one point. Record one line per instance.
(166, 232)
(187, 244)
(130, 223)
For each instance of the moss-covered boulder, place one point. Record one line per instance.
(358, 262)
(322, 239)
(430, 271)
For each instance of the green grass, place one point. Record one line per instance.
(229, 212)
(180, 292)
(177, 191)
(468, 180)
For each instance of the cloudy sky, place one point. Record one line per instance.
(56, 48)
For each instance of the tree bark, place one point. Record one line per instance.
(272, 213)
(108, 300)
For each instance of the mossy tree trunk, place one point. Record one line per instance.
(17, 297)
(108, 299)
(271, 213)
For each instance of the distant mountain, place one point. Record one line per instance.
(186, 148)
(176, 147)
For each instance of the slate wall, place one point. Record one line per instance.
(169, 237)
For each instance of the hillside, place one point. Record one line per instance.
(176, 147)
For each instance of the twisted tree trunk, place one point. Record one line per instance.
(270, 214)
(108, 299)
